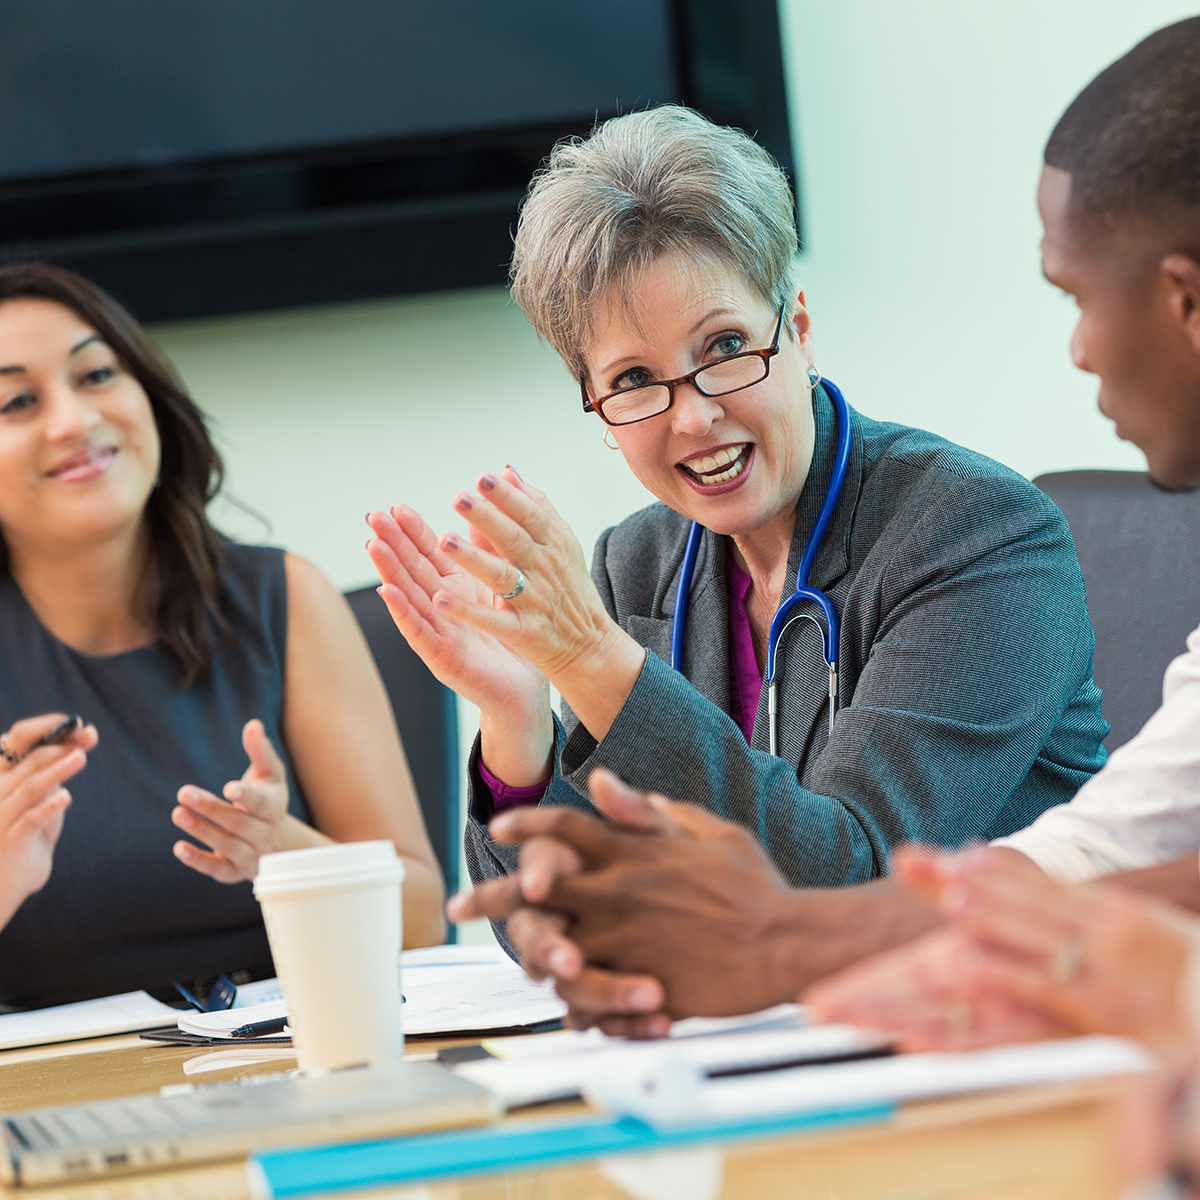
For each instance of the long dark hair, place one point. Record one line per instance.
(186, 553)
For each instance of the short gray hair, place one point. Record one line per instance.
(664, 181)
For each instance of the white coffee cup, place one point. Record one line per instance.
(333, 919)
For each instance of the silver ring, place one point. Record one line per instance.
(1066, 964)
(6, 754)
(518, 587)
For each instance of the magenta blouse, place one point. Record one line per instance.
(745, 685)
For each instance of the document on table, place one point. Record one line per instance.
(670, 1090)
(129, 1013)
(558, 1066)
(447, 990)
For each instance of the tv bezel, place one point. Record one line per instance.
(325, 224)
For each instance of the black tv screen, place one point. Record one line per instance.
(205, 156)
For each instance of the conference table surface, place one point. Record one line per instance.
(1047, 1143)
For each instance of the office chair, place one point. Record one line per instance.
(1137, 546)
(427, 716)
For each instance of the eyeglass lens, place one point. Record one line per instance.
(717, 379)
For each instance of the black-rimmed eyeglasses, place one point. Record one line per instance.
(628, 405)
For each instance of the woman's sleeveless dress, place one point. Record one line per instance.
(120, 911)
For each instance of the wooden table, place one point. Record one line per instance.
(1033, 1144)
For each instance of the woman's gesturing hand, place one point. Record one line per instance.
(250, 821)
(415, 569)
(32, 804)
(518, 541)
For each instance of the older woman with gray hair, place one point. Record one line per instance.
(933, 680)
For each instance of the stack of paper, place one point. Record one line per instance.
(129, 1013)
(447, 990)
(558, 1066)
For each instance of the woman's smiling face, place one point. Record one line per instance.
(79, 448)
(735, 463)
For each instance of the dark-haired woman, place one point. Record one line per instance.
(226, 689)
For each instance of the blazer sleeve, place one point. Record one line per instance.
(981, 644)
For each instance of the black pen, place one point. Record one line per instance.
(259, 1028)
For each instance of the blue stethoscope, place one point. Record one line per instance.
(785, 614)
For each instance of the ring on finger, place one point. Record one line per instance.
(1066, 963)
(960, 1016)
(517, 587)
(6, 754)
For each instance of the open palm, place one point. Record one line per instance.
(474, 664)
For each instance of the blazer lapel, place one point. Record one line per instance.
(706, 640)
(801, 674)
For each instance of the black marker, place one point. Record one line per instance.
(60, 733)
(259, 1028)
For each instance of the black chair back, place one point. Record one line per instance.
(427, 717)
(1137, 546)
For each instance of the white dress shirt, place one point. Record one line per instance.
(1143, 808)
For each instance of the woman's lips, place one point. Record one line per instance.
(740, 467)
(88, 464)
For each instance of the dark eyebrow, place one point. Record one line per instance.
(87, 341)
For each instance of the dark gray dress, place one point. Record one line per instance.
(120, 911)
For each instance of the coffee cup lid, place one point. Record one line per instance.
(344, 864)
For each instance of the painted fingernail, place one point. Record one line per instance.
(514, 471)
(450, 542)
(464, 503)
(442, 601)
(487, 482)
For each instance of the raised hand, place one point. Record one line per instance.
(33, 803)
(511, 693)
(250, 821)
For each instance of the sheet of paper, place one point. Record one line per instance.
(669, 1091)
(128, 1013)
(447, 989)
(562, 1066)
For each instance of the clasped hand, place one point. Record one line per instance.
(250, 821)
(640, 919)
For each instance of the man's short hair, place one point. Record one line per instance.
(1131, 139)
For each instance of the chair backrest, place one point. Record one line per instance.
(1137, 546)
(427, 716)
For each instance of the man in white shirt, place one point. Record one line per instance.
(666, 911)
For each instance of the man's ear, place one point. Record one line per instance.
(1182, 274)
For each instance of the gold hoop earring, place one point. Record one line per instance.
(814, 376)
(610, 445)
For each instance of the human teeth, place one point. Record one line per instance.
(708, 463)
(732, 473)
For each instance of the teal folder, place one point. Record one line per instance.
(511, 1147)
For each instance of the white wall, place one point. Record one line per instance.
(919, 129)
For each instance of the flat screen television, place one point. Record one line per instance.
(200, 157)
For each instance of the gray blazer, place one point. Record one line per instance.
(967, 705)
